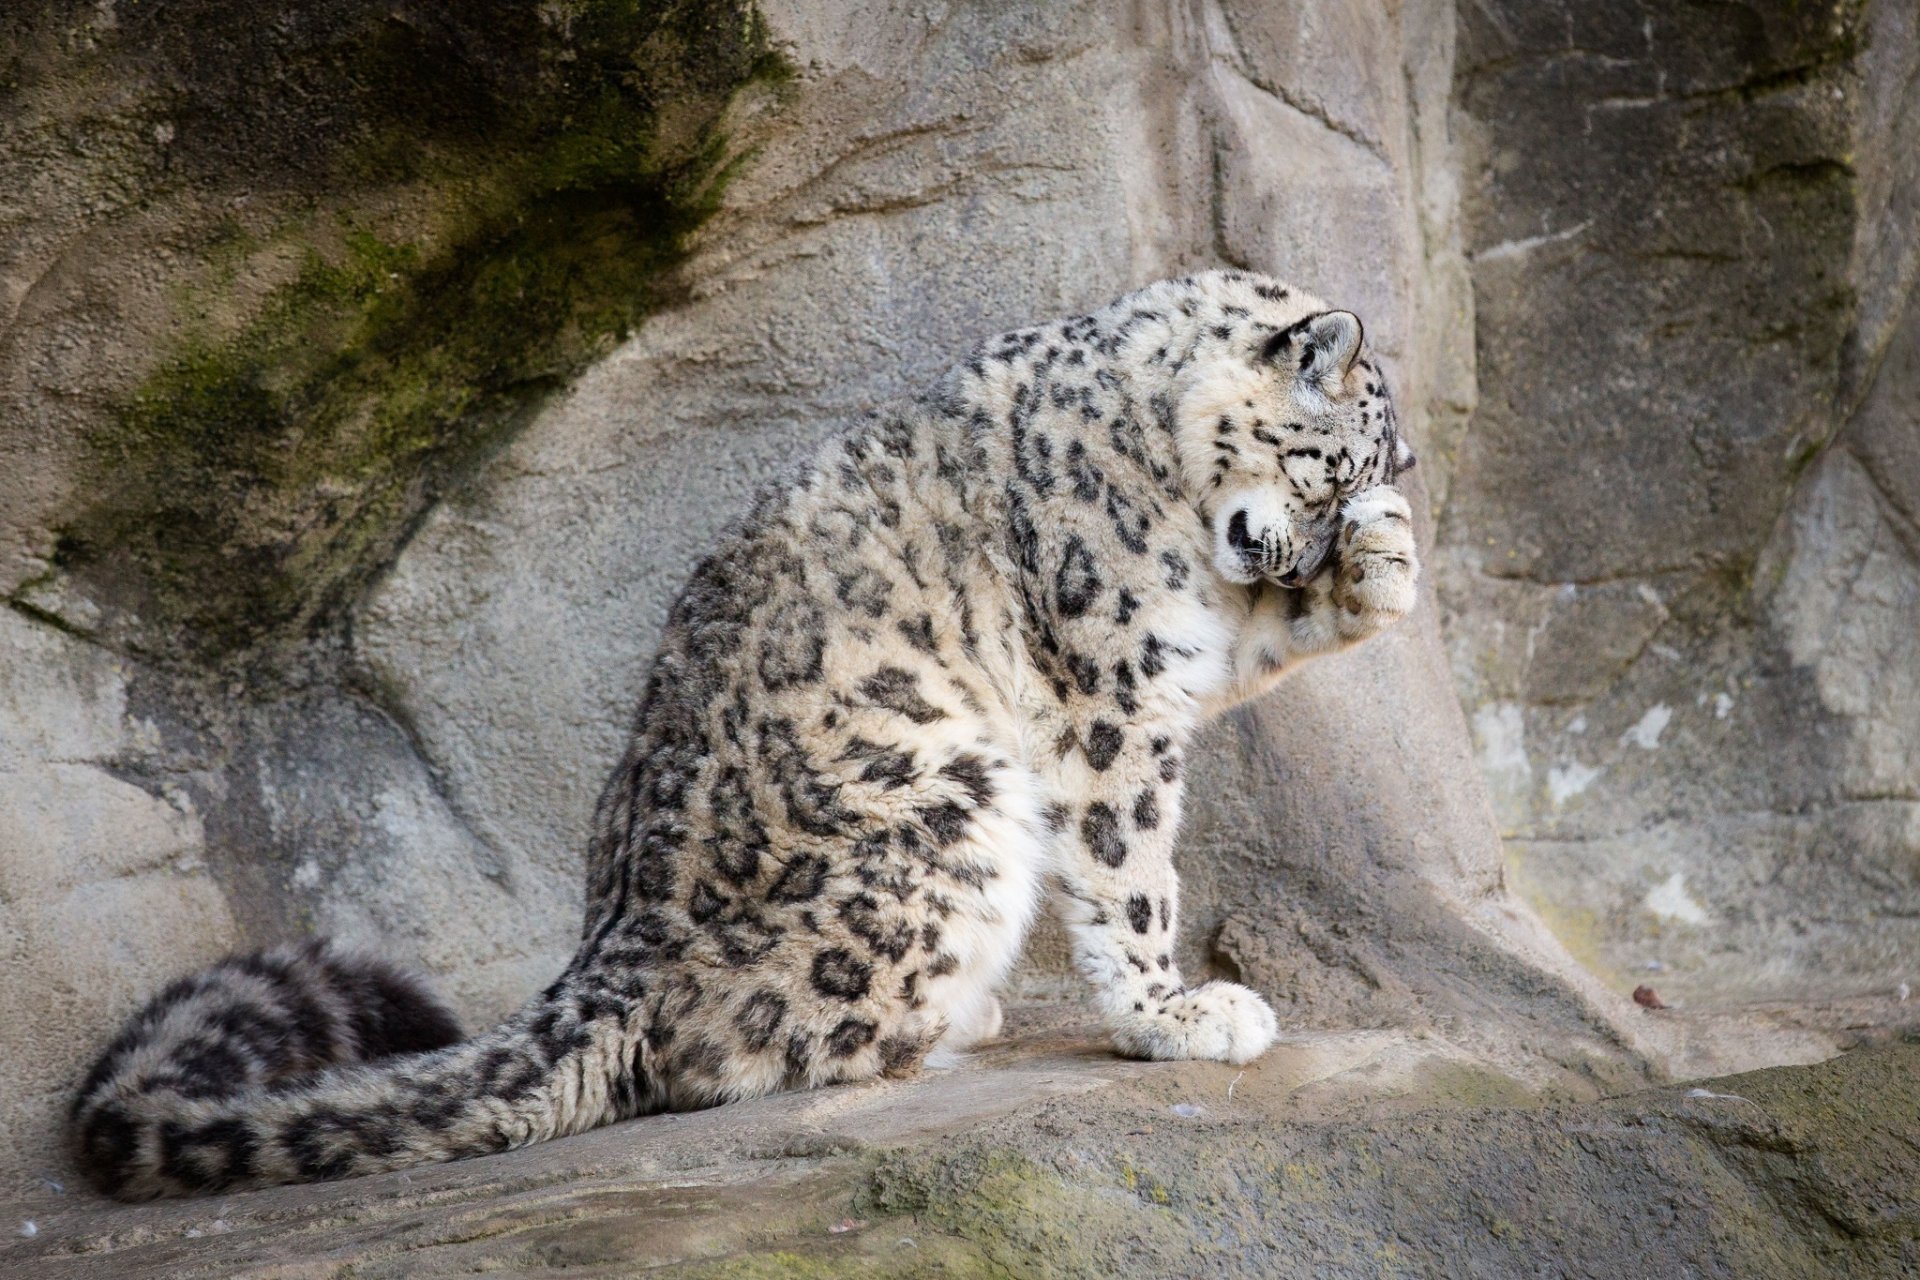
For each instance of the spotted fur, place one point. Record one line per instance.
(949, 669)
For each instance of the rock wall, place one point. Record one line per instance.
(1681, 567)
(373, 376)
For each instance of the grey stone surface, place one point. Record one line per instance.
(1679, 563)
(1641, 279)
(105, 885)
(1337, 1154)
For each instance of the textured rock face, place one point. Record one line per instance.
(272, 280)
(410, 512)
(1057, 1160)
(1681, 568)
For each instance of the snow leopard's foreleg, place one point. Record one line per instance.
(1369, 584)
(1120, 899)
(1372, 582)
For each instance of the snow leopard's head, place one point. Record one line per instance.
(1279, 426)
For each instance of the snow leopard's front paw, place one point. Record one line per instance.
(1221, 1020)
(1379, 562)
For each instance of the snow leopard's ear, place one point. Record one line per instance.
(1320, 347)
(1332, 345)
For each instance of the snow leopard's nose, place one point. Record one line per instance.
(1259, 548)
(1237, 536)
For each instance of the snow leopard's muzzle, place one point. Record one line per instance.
(1259, 540)
(1263, 535)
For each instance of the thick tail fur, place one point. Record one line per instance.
(302, 1064)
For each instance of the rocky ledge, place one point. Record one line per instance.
(1357, 1154)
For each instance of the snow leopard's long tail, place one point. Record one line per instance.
(308, 1063)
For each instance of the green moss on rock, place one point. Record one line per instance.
(1026, 1217)
(547, 167)
(1790, 1172)
(895, 1258)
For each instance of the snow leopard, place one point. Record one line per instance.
(946, 671)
